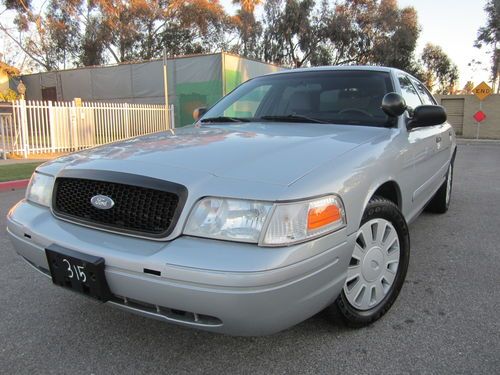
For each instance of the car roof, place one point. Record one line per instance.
(339, 67)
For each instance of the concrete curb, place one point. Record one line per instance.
(13, 185)
(474, 140)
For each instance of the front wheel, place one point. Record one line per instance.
(378, 265)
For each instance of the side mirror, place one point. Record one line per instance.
(427, 115)
(393, 104)
(199, 112)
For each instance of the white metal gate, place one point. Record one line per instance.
(36, 127)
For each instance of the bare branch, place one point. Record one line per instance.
(26, 51)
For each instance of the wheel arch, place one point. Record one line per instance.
(388, 189)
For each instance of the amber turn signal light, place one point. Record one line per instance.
(320, 216)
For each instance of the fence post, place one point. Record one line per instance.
(127, 121)
(23, 117)
(73, 126)
(52, 127)
(167, 117)
(2, 126)
(172, 117)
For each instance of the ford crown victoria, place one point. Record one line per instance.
(290, 195)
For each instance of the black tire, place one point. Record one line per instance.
(440, 202)
(384, 209)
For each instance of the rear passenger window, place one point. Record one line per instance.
(424, 94)
(409, 93)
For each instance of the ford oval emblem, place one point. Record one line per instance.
(102, 202)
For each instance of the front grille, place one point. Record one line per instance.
(137, 210)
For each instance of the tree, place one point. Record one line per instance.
(248, 5)
(11, 56)
(51, 35)
(397, 35)
(38, 37)
(82, 32)
(373, 32)
(441, 74)
(122, 22)
(92, 45)
(9, 95)
(17, 4)
(61, 27)
(303, 32)
(292, 32)
(248, 28)
(469, 86)
(207, 22)
(489, 36)
(272, 40)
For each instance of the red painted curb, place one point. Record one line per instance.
(13, 185)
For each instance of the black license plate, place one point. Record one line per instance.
(77, 271)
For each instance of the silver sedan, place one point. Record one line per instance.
(290, 195)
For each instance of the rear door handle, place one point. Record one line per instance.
(438, 139)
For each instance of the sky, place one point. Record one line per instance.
(451, 24)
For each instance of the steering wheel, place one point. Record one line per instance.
(362, 111)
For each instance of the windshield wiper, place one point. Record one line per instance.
(294, 118)
(224, 119)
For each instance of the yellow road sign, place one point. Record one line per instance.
(482, 90)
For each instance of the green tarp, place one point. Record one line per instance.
(193, 81)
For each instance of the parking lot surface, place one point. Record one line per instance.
(446, 319)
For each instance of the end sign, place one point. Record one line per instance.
(482, 91)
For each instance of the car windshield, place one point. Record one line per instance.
(349, 97)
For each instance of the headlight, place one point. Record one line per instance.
(40, 189)
(228, 219)
(300, 221)
(246, 221)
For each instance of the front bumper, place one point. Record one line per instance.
(219, 286)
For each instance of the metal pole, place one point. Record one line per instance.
(478, 123)
(165, 87)
(24, 127)
(223, 72)
(172, 116)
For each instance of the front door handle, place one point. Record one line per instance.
(438, 139)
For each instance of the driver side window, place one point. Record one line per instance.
(409, 93)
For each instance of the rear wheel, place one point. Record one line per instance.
(441, 201)
(378, 265)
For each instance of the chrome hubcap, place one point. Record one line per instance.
(448, 185)
(373, 265)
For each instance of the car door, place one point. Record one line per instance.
(424, 143)
(443, 144)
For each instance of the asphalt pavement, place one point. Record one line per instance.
(445, 321)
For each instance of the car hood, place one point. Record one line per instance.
(276, 153)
